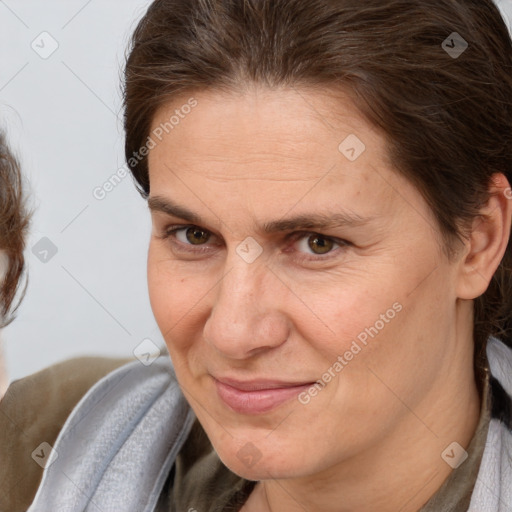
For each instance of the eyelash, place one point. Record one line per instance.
(171, 231)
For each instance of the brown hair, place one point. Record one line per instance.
(14, 220)
(447, 118)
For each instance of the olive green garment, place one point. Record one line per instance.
(32, 412)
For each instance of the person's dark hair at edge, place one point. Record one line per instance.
(14, 220)
(448, 122)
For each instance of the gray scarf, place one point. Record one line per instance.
(118, 446)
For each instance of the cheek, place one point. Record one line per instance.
(168, 291)
(368, 323)
(338, 315)
(177, 299)
(161, 294)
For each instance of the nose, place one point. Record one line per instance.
(247, 314)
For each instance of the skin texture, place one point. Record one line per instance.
(372, 438)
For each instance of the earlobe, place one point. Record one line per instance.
(487, 241)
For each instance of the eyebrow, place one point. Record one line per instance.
(313, 221)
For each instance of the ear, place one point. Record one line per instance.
(487, 241)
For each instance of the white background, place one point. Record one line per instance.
(63, 115)
(64, 118)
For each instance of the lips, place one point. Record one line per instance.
(257, 396)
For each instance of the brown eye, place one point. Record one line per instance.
(319, 244)
(197, 236)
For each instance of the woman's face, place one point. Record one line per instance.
(300, 256)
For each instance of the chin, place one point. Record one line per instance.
(255, 453)
(260, 471)
(249, 462)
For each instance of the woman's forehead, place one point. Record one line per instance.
(311, 120)
(288, 138)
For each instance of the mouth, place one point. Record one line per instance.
(257, 396)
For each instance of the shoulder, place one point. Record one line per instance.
(32, 412)
(135, 417)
